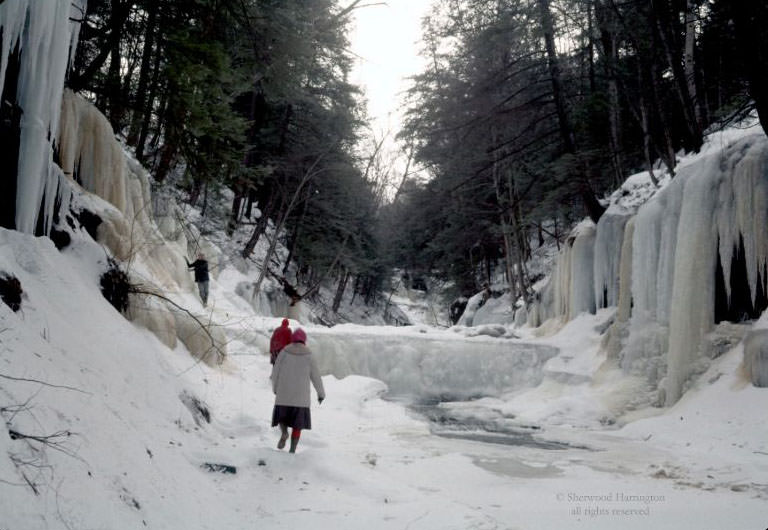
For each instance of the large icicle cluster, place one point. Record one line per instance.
(659, 266)
(45, 32)
(727, 201)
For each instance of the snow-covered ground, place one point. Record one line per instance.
(118, 448)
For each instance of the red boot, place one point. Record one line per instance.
(295, 433)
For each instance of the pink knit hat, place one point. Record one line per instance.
(299, 336)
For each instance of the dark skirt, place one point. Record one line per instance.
(294, 417)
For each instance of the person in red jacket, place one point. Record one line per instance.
(281, 337)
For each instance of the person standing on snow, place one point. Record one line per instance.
(294, 308)
(201, 276)
(281, 338)
(294, 369)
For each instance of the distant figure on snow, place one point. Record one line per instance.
(486, 295)
(294, 368)
(201, 276)
(281, 338)
(294, 308)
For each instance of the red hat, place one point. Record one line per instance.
(285, 323)
(299, 336)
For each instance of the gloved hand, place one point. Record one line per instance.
(320, 399)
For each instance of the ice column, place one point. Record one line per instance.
(581, 297)
(569, 290)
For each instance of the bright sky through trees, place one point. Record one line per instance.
(385, 37)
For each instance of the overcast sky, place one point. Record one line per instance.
(386, 39)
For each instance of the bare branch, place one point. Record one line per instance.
(221, 354)
(65, 387)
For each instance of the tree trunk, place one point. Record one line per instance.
(237, 206)
(113, 88)
(168, 150)
(144, 76)
(118, 16)
(690, 64)
(148, 105)
(668, 150)
(297, 230)
(340, 291)
(750, 19)
(308, 175)
(355, 289)
(258, 230)
(665, 30)
(607, 27)
(520, 240)
(644, 125)
(592, 205)
(566, 132)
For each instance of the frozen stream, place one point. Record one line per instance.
(437, 378)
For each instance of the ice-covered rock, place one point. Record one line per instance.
(155, 316)
(756, 357)
(206, 341)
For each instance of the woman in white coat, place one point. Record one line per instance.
(294, 369)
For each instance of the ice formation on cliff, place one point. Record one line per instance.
(42, 36)
(46, 34)
(716, 204)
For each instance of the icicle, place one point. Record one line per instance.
(13, 16)
(721, 197)
(742, 210)
(44, 33)
(569, 290)
(624, 308)
(693, 292)
(608, 241)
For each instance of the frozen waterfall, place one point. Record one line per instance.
(431, 365)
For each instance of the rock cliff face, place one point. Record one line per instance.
(693, 255)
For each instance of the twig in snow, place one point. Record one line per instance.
(65, 387)
(220, 354)
(54, 441)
